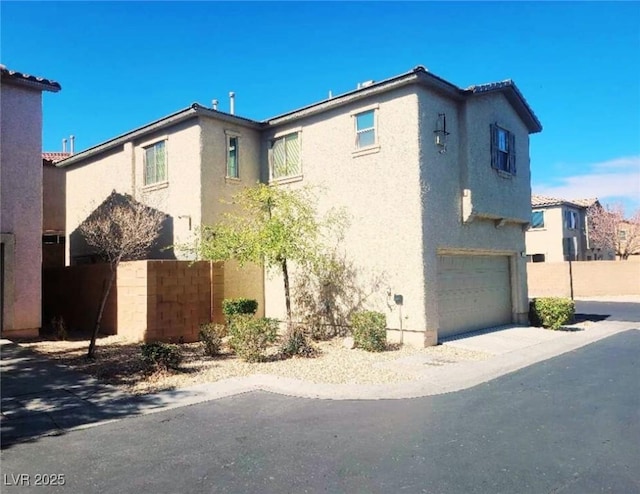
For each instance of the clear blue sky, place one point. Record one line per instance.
(124, 64)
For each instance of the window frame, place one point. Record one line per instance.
(503, 160)
(533, 224)
(229, 137)
(298, 165)
(145, 175)
(571, 220)
(375, 128)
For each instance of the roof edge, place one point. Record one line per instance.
(25, 80)
(181, 115)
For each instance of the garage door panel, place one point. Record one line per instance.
(474, 292)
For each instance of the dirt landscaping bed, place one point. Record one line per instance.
(118, 363)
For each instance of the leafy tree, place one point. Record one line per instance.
(120, 229)
(273, 226)
(609, 230)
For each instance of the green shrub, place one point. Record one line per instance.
(369, 330)
(250, 337)
(296, 344)
(211, 335)
(161, 356)
(551, 312)
(232, 307)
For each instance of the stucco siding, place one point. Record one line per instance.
(547, 240)
(496, 194)
(88, 185)
(380, 193)
(466, 164)
(218, 189)
(53, 199)
(21, 201)
(122, 169)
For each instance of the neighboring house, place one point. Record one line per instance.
(21, 197)
(435, 180)
(559, 231)
(53, 210)
(628, 242)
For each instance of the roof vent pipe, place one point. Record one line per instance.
(214, 104)
(64, 145)
(71, 142)
(232, 102)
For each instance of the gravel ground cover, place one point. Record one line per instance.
(118, 363)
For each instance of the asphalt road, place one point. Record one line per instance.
(609, 311)
(567, 425)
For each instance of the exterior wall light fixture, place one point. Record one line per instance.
(441, 133)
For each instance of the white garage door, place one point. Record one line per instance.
(474, 292)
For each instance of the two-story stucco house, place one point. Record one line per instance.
(559, 231)
(21, 196)
(434, 178)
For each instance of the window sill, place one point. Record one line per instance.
(507, 175)
(365, 151)
(286, 180)
(156, 186)
(232, 180)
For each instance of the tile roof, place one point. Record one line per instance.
(54, 156)
(538, 201)
(33, 81)
(514, 96)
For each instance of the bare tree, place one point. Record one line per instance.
(609, 230)
(120, 229)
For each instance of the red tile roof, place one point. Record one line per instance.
(54, 156)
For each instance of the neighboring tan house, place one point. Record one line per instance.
(559, 231)
(628, 243)
(53, 210)
(21, 196)
(434, 178)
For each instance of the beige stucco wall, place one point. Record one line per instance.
(53, 199)
(404, 199)
(547, 240)
(195, 185)
(467, 165)
(599, 278)
(21, 211)
(380, 193)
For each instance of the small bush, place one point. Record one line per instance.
(59, 328)
(250, 337)
(161, 356)
(296, 344)
(551, 312)
(232, 307)
(211, 335)
(369, 330)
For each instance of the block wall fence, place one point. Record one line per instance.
(149, 301)
(590, 278)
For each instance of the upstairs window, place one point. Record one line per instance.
(232, 157)
(155, 163)
(503, 150)
(570, 220)
(537, 219)
(365, 129)
(285, 156)
(622, 235)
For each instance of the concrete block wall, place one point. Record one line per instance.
(590, 278)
